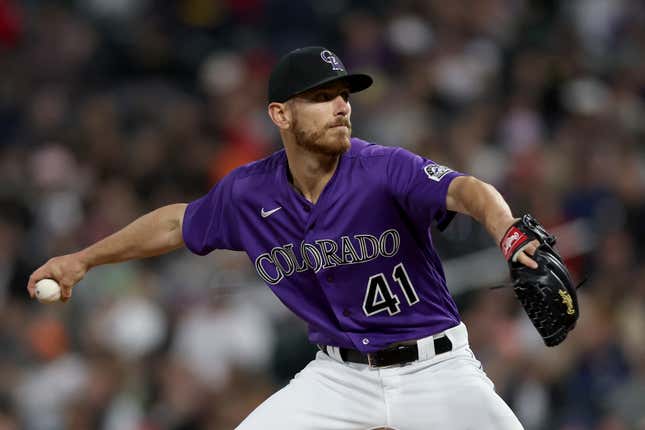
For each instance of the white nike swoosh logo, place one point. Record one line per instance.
(269, 213)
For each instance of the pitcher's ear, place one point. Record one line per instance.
(280, 114)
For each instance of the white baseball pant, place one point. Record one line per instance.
(449, 391)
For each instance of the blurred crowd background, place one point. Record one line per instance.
(111, 108)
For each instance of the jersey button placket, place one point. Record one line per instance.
(310, 217)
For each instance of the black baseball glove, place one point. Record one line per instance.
(547, 293)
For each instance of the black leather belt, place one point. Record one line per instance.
(398, 354)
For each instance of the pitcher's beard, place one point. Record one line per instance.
(315, 141)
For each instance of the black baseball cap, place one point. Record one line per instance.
(306, 68)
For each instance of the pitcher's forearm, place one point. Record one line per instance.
(481, 201)
(155, 233)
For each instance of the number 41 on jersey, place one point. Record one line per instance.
(379, 296)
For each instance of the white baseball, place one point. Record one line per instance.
(47, 291)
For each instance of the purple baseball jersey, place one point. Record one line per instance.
(358, 266)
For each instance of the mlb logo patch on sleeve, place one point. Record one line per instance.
(436, 172)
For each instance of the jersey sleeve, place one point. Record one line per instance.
(420, 186)
(211, 222)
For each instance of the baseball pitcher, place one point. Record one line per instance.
(339, 229)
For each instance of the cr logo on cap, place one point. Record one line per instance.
(329, 57)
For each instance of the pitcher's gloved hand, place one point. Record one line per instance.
(547, 293)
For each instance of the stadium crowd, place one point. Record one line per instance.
(109, 109)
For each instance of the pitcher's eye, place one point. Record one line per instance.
(323, 96)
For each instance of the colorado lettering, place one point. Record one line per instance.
(283, 261)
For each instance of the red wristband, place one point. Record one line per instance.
(513, 239)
